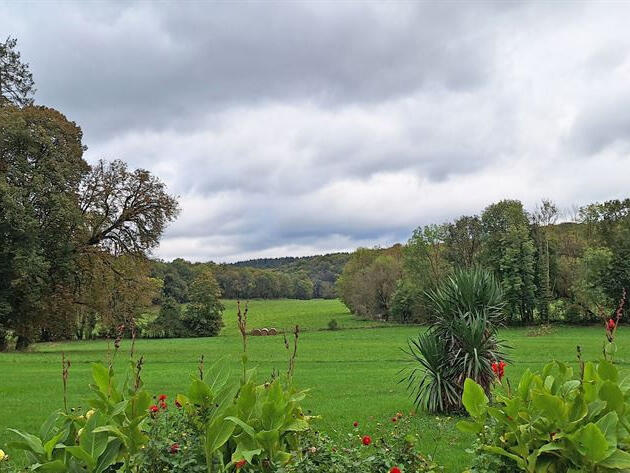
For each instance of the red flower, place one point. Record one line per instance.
(162, 397)
(395, 469)
(366, 440)
(178, 404)
(394, 419)
(611, 325)
(154, 408)
(174, 448)
(355, 424)
(163, 405)
(499, 369)
(240, 463)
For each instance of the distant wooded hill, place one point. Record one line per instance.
(303, 277)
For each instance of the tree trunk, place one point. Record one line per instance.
(22, 343)
(4, 343)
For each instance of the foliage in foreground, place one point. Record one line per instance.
(217, 426)
(553, 422)
(461, 341)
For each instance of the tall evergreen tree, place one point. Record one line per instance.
(16, 81)
(509, 250)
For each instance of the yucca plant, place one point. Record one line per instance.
(429, 379)
(461, 341)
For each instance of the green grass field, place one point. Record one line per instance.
(352, 374)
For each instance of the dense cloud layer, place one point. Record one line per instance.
(297, 128)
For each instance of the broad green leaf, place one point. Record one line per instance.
(500, 451)
(93, 443)
(590, 442)
(119, 408)
(296, 425)
(245, 455)
(268, 439)
(577, 409)
(524, 383)
(618, 460)
(589, 383)
(100, 375)
(52, 443)
(45, 430)
(608, 426)
(474, 398)
(56, 466)
(282, 457)
(30, 442)
(470, 427)
(613, 396)
(109, 456)
(607, 371)
(550, 406)
(217, 433)
(246, 400)
(246, 428)
(112, 429)
(82, 455)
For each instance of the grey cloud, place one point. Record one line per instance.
(602, 125)
(304, 127)
(114, 67)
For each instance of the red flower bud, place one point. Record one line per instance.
(355, 424)
(240, 463)
(154, 408)
(366, 440)
(395, 469)
(174, 448)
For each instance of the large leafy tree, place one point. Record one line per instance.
(124, 212)
(463, 241)
(16, 81)
(545, 215)
(204, 313)
(41, 168)
(508, 249)
(369, 281)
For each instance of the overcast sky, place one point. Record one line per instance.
(295, 128)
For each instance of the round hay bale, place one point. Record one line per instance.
(273, 331)
(264, 332)
(256, 332)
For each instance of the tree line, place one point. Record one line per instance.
(551, 267)
(267, 278)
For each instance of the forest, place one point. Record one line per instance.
(308, 277)
(551, 267)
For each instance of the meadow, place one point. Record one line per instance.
(353, 373)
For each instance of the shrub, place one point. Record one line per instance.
(168, 323)
(406, 305)
(204, 314)
(461, 341)
(554, 421)
(392, 448)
